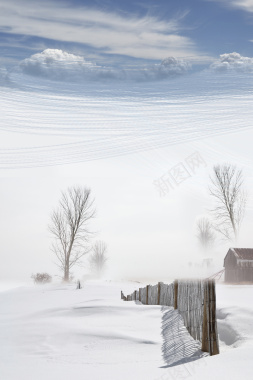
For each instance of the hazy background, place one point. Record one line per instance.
(113, 96)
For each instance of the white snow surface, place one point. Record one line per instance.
(58, 332)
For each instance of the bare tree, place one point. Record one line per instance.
(98, 258)
(205, 233)
(230, 200)
(69, 227)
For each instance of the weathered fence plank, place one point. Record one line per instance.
(158, 293)
(175, 293)
(147, 294)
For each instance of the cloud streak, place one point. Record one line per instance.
(246, 5)
(145, 37)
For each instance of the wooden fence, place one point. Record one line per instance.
(195, 301)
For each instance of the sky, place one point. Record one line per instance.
(126, 33)
(116, 96)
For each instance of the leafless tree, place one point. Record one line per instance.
(230, 200)
(69, 227)
(98, 258)
(205, 233)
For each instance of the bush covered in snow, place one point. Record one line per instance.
(41, 278)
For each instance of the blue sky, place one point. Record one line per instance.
(122, 33)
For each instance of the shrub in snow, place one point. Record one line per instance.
(41, 278)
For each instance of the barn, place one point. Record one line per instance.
(238, 265)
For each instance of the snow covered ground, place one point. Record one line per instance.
(58, 332)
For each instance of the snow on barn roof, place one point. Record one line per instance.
(243, 256)
(243, 253)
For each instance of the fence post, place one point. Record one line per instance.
(213, 332)
(135, 294)
(205, 340)
(159, 293)
(147, 294)
(140, 294)
(175, 293)
(209, 331)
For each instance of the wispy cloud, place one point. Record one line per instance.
(233, 62)
(246, 5)
(147, 37)
(56, 64)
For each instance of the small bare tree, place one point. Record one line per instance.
(98, 258)
(69, 227)
(205, 233)
(230, 200)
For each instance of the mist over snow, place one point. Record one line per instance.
(60, 65)
(233, 62)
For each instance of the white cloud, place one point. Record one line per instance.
(169, 67)
(233, 61)
(246, 5)
(112, 33)
(59, 65)
(173, 66)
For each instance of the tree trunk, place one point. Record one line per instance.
(66, 272)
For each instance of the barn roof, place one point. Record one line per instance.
(243, 253)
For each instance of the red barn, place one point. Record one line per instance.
(238, 265)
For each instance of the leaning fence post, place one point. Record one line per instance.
(175, 293)
(147, 294)
(159, 293)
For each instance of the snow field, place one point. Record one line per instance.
(57, 332)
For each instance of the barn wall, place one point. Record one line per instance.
(230, 261)
(237, 270)
(245, 273)
(239, 274)
(230, 275)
